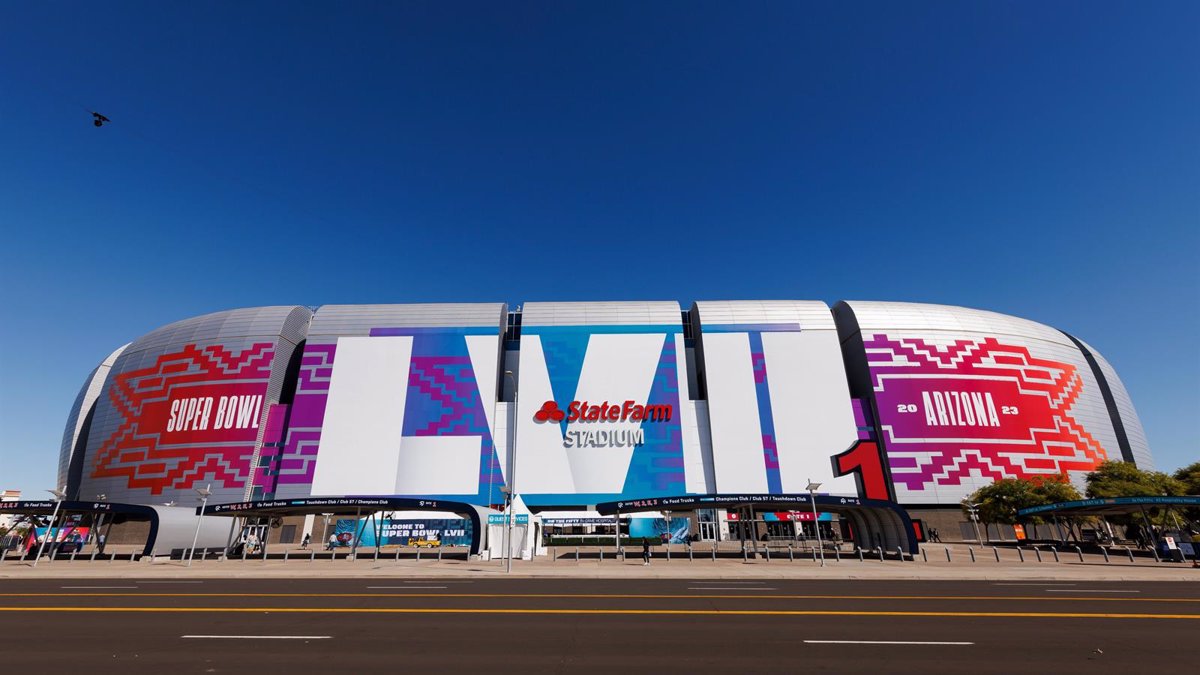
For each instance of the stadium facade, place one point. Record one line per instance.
(602, 402)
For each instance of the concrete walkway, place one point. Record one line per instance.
(933, 565)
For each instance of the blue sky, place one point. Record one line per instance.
(1038, 159)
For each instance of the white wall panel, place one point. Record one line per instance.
(438, 465)
(364, 417)
(810, 405)
(616, 368)
(542, 465)
(738, 464)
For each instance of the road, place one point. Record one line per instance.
(602, 626)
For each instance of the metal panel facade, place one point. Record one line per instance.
(615, 400)
(965, 396)
(184, 406)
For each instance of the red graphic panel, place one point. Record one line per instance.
(976, 407)
(193, 416)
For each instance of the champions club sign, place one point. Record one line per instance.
(623, 414)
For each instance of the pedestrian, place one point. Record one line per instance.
(332, 542)
(307, 539)
(645, 551)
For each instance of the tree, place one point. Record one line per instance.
(1190, 477)
(1000, 501)
(1115, 478)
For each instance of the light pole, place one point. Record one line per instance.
(973, 510)
(59, 494)
(512, 476)
(812, 493)
(204, 493)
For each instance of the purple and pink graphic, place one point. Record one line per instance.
(980, 407)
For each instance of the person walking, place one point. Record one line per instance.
(306, 540)
(645, 551)
(332, 542)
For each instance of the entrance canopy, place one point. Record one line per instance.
(352, 506)
(170, 526)
(876, 522)
(1108, 506)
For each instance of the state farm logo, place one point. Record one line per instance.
(583, 411)
(628, 417)
(549, 411)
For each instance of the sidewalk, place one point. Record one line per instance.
(1068, 568)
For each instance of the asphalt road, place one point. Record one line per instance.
(604, 626)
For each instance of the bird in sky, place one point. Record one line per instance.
(99, 119)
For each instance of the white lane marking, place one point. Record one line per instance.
(880, 642)
(98, 587)
(406, 587)
(1032, 584)
(439, 581)
(256, 637)
(729, 588)
(169, 582)
(1085, 590)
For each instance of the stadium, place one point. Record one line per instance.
(721, 420)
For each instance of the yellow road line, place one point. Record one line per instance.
(593, 596)
(672, 612)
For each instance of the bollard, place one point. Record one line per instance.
(3, 554)
(924, 556)
(601, 554)
(690, 552)
(204, 555)
(244, 549)
(1055, 552)
(439, 551)
(1080, 552)
(132, 557)
(1020, 554)
(880, 549)
(397, 554)
(767, 549)
(1105, 552)
(714, 551)
(286, 551)
(996, 552)
(837, 554)
(791, 557)
(745, 554)
(1130, 552)
(1038, 552)
(376, 558)
(418, 554)
(332, 554)
(76, 551)
(554, 554)
(312, 556)
(900, 552)
(859, 552)
(972, 552)
(814, 554)
(668, 552)
(576, 554)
